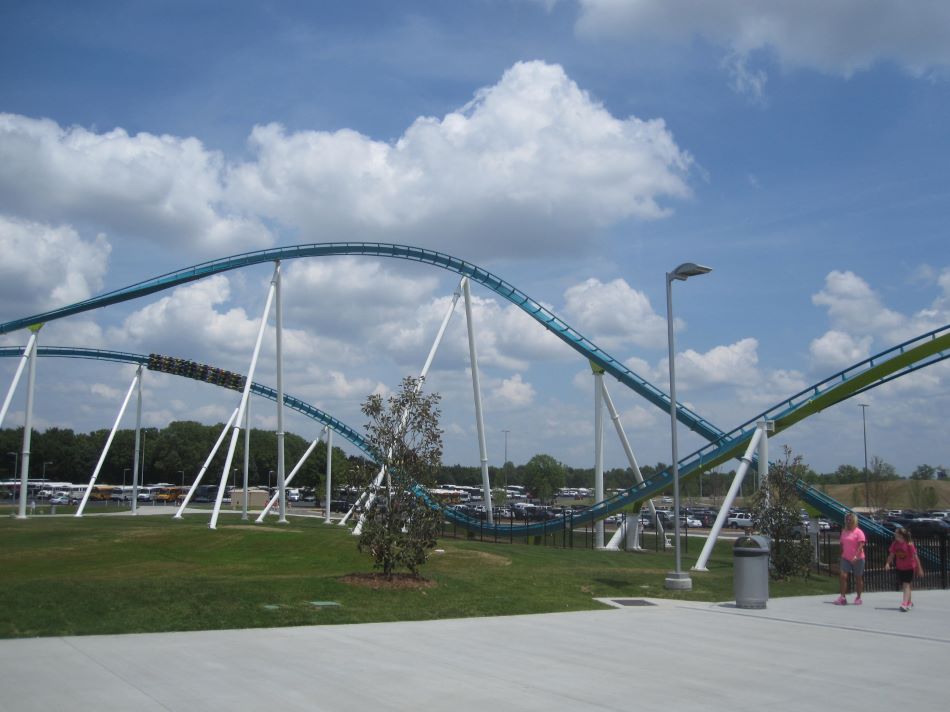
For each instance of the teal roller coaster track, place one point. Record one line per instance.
(910, 356)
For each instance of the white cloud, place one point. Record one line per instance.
(733, 364)
(163, 188)
(837, 350)
(45, 267)
(614, 314)
(513, 393)
(839, 38)
(530, 161)
(853, 306)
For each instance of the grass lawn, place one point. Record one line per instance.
(119, 574)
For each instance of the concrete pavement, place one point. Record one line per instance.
(797, 654)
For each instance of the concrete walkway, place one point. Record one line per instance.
(798, 654)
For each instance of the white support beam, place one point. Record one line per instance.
(290, 477)
(329, 476)
(28, 426)
(206, 465)
(247, 457)
(24, 359)
(137, 448)
(479, 418)
(242, 408)
(727, 502)
(281, 479)
(369, 494)
(105, 449)
(598, 450)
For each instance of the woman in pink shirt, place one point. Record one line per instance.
(852, 559)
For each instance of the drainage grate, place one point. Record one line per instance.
(632, 602)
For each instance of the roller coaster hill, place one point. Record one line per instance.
(900, 360)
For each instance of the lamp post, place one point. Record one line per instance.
(16, 462)
(864, 422)
(123, 476)
(182, 473)
(44, 467)
(504, 465)
(677, 579)
(269, 486)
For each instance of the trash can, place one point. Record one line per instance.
(751, 571)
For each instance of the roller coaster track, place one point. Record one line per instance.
(291, 402)
(900, 360)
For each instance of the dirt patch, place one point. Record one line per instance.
(482, 557)
(379, 582)
(259, 528)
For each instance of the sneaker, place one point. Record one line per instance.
(841, 601)
(905, 606)
(858, 601)
(909, 605)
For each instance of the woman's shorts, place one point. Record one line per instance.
(852, 567)
(905, 575)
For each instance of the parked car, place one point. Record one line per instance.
(739, 520)
(60, 499)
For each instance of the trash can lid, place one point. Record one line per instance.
(755, 542)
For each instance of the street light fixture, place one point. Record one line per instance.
(677, 579)
(864, 422)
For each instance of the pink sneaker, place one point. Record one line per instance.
(905, 606)
(858, 601)
(841, 601)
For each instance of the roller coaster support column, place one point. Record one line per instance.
(247, 456)
(632, 534)
(281, 466)
(28, 424)
(138, 438)
(730, 498)
(293, 472)
(105, 449)
(242, 408)
(30, 344)
(205, 466)
(369, 494)
(598, 449)
(479, 420)
(329, 478)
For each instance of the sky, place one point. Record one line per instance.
(579, 149)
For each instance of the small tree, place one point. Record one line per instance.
(776, 509)
(403, 433)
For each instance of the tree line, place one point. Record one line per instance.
(175, 453)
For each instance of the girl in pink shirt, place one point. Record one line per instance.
(852, 559)
(903, 555)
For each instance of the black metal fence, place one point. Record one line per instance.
(565, 537)
(932, 549)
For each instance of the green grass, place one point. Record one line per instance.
(68, 576)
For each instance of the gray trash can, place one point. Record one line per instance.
(751, 571)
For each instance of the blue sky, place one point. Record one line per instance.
(577, 149)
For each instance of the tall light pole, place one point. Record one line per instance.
(269, 486)
(16, 462)
(182, 473)
(44, 467)
(504, 465)
(864, 422)
(123, 476)
(677, 579)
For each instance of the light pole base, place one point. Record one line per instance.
(678, 581)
